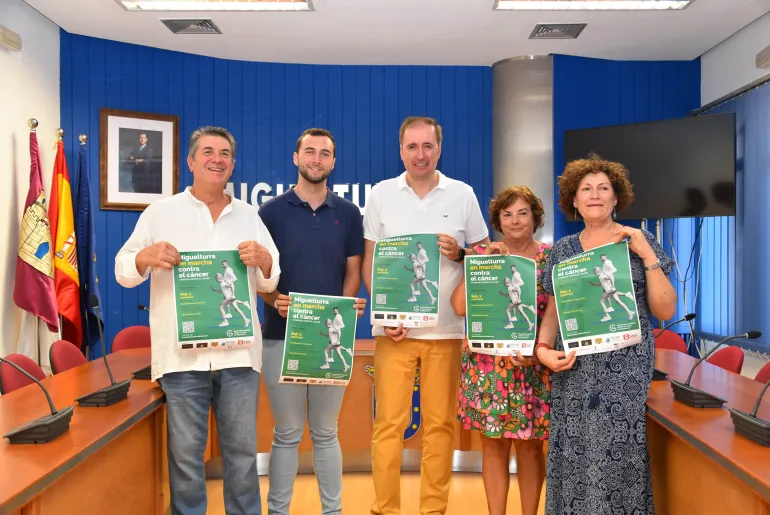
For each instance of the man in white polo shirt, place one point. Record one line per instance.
(204, 217)
(420, 200)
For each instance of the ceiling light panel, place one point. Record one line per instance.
(216, 5)
(590, 5)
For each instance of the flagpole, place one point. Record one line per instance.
(83, 140)
(33, 123)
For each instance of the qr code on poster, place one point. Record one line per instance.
(188, 327)
(571, 324)
(477, 327)
(382, 298)
(293, 364)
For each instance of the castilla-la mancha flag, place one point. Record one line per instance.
(65, 250)
(33, 288)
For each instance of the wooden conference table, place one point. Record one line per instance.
(112, 460)
(699, 464)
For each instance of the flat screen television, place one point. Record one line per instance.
(682, 167)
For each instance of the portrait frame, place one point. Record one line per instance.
(138, 158)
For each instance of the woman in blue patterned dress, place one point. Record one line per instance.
(597, 458)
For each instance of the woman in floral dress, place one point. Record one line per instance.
(507, 399)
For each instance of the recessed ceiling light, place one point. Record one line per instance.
(590, 5)
(216, 5)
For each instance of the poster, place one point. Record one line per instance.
(320, 340)
(595, 300)
(405, 281)
(213, 300)
(501, 304)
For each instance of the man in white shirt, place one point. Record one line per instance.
(421, 200)
(203, 217)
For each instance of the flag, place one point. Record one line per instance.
(86, 243)
(65, 260)
(33, 289)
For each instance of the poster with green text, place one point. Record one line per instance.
(213, 300)
(320, 340)
(501, 304)
(595, 300)
(405, 281)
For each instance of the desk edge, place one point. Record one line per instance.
(18, 501)
(756, 485)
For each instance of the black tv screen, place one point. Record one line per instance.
(679, 168)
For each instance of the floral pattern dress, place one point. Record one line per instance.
(502, 400)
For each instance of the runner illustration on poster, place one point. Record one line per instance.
(499, 290)
(206, 289)
(405, 281)
(595, 300)
(320, 340)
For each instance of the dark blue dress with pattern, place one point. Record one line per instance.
(597, 454)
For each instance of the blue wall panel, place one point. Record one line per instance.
(266, 106)
(591, 93)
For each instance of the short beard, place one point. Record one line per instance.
(312, 180)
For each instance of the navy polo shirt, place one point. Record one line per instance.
(314, 247)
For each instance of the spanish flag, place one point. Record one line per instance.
(65, 247)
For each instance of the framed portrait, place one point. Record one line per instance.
(138, 158)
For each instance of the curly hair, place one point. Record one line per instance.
(510, 195)
(576, 170)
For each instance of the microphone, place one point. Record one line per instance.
(695, 397)
(43, 429)
(748, 425)
(659, 375)
(117, 391)
(144, 372)
(686, 318)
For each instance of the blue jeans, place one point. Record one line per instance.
(233, 393)
(289, 402)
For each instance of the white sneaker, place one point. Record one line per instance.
(509, 326)
(629, 295)
(245, 303)
(433, 300)
(631, 316)
(606, 318)
(347, 367)
(610, 310)
(246, 322)
(224, 323)
(325, 366)
(228, 315)
(531, 325)
(412, 299)
(330, 360)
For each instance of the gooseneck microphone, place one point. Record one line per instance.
(696, 397)
(751, 335)
(749, 425)
(43, 429)
(659, 375)
(142, 307)
(108, 395)
(686, 318)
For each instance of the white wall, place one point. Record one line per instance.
(730, 65)
(29, 87)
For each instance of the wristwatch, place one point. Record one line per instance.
(460, 256)
(653, 266)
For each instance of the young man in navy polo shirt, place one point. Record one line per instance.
(321, 243)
